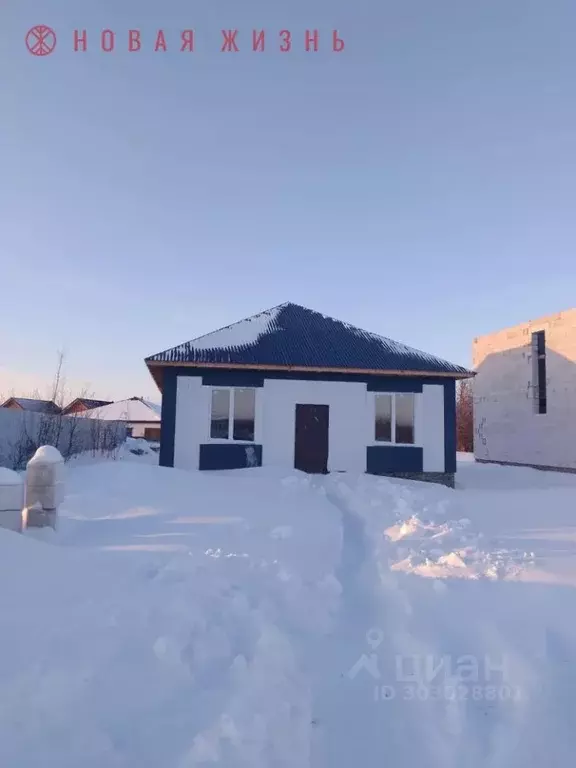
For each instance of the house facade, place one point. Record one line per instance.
(292, 388)
(525, 394)
(142, 417)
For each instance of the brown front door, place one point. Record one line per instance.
(311, 438)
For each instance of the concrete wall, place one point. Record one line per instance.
(507, 426)
(351, 422)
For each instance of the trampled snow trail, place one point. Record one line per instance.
(370, 705)
(358, 715)
(341, 738)
(257, 619)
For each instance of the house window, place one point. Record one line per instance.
(233, 412)
(394, 419)
(539, 370)
(384, 418)
(220, 424)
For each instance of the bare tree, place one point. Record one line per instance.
(57, 391)
(465, 417)
(70, 434)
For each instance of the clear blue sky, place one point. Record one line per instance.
(421, 184)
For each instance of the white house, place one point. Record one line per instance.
(290, 387)
(525, 394)
(142, 417)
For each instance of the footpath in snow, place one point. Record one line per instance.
(261, 619)
(458, 661)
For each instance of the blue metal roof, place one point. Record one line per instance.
(293, 336)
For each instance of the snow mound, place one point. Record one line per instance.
(468, 563)
(47, 454)
(137, 446)
(435, 546)
(165, 628)
(259, 619)
(133, 449)
(449, 550)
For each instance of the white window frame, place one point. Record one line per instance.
(230, 439)
(417, 404)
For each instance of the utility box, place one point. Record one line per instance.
(11, 499)
(45, 479)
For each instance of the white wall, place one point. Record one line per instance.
(433, 427)
(506, 425)
(351, 422)
(192, 421)
(139, 428)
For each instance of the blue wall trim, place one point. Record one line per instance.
(233, 378)
(450, 426)
(233, 456)
(168, 419)
(387, 458)
(236, 377)
(395, 384)
(376, 454)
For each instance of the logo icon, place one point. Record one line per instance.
(41, 40)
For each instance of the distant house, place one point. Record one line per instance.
(143, 418)
(292, 388)
(525, 394)
(31, 404)
(81, 404)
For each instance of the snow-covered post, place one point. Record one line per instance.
(11, 499)
(44, 487)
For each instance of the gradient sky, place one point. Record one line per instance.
(421, 184)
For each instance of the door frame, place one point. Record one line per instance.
(312, 467)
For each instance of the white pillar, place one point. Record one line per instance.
(44, 486)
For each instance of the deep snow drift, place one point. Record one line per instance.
(260, 618)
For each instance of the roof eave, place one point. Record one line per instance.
(156, 368)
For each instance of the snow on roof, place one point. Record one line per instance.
(243, 333)
(292, 335)
(156, 407)
(133, 409)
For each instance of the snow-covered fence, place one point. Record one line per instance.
(23, 432)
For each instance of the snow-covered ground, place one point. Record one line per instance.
(270, 619)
